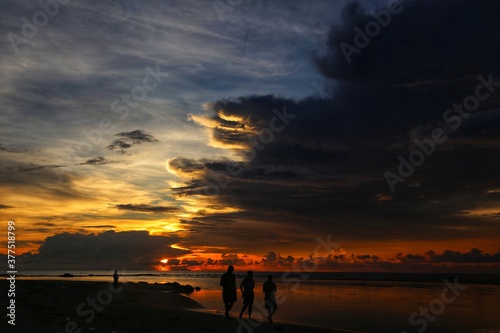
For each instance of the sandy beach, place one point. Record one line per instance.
(78, 306)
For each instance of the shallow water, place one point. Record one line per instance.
(378, 306)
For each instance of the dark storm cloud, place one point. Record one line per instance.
(148, 208)
(130, 249)
(452, 42)
(128, 139)
(415, 68)
(5, 207)
(323, 159)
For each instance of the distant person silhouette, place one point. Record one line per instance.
(246, 288)
(269, 289)
(228, 283)
(115, 279)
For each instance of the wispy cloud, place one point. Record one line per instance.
(98, 161)
(128, 139)
(12, 150)
(38, 167)
(147, 208)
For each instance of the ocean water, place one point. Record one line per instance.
(363, 302)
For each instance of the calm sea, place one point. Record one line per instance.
(365, 302)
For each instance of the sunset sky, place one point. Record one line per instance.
(202, 133)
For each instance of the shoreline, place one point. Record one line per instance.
(469, 278)
(86, 306)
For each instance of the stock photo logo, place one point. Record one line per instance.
(437, 306)
(363, 37)
(453, 118)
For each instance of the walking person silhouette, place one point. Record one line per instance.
(246, 287)
(269, 289)
(228, 283)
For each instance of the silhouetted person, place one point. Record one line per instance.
(269, 289)
(228, 283)
(246, 288)
(115, 279)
